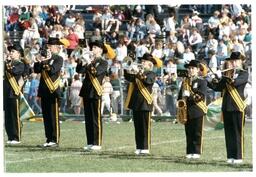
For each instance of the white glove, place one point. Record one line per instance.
(219, 74)
(186, 93)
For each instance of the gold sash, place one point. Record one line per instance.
(13, 83)
(236, 97)
(143, 90)
(96, 84)
(52, 86)
(200, 104)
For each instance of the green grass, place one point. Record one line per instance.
(117, 155)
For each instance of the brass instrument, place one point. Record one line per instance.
(181, 104)
(84, 54)
(132, 67)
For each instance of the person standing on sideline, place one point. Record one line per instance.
(14, 69)
(95, 69)
(193, 92)
(232, 85)
(140, 101)
(49, 90)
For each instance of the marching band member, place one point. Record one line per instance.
(49, 90)
(14, 69)
(232, 86)
(193, 95)
(140, 101)
(95, 69)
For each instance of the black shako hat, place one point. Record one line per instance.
(235, 56)
(99, 44)
(193, 63)
(54, 41)
(148, 57)
(16, 47)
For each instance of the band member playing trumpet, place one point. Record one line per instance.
(140, 101)
(192, 96)
(49, 90)
(14, 69)
(232, 86)
(94, 71)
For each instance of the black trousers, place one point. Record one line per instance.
(234, 134)
(193, 130)
(12, 118)
(50, 110)
(142, 125)
(93, 121)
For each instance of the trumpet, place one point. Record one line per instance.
(84, 54)
(33, 55)
(132, 67)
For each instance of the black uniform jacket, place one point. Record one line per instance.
(239, 83)
(98, 68)
(137, 101)
(54, 64)
(199, 87)
(17, 70)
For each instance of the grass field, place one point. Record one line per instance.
(117, 155)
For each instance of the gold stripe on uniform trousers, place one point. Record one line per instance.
(202, 134)
(99, 122)
(143, 90)
(13, 83)
(149, 130)
(96, 84)
(242, 135)
(50, 84)
(18, 119)
(57, 120)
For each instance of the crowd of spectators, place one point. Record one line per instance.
(209, 33)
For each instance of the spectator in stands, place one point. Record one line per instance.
(222, 52)
(121, 50)
(79, 29)
(12, 20)
(138, 13)
(141, 49)
(169, 24)
(115, 96)
(213, 24)
(188, 55)
(63, 90)
(197, 21)
(24, 19)
(140, 29)
(106, 95)
(70, 20)
(73, 40)
(156, 91)
(158, 50)
(33, 91)
(154, 29)
(75, 99)
(57, 32)
(213, 64)
(195, 40)
(171, 85)
(130, 29)
(96, 35)
(211, 44)
(112, 38)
